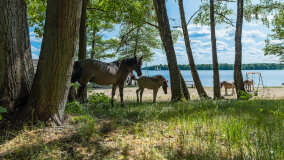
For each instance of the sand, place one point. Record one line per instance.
(130, 93)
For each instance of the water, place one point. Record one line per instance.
(270, 77)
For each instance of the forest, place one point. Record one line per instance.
(87, 97)
(222, 66)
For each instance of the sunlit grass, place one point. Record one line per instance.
(226, 129)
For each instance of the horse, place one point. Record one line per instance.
(228, 85)
(115, 73)
(153, 83)
(248, 83)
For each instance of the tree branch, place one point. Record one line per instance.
(151, 24)
(229, 20)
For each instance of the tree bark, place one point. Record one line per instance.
(51, 84)
(194, 73)
(238, 76)
(165, 33)
(93, 45)
(83, 38)
(184, 87)
(83, 32)
(16, 68)
(216, 77)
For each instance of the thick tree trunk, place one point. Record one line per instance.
(52, 80)
(83, 32)
(238, 76)
(16, 68)
(135, 52)
(216, 77)
(165, 33)
(194, 73)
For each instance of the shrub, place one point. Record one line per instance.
(244, 95)
(2, 110)
(87, 131)
(99, 100)
(75, 108)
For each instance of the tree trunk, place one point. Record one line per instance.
(238, 76)
(194, 73)
(83, 32)
(184, 87)
(93, 45)
(83, 38)
(52, 80)
(135, 53)
(216, 77)
(16, 68)
(165, 33)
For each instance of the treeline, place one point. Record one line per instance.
(222, 66)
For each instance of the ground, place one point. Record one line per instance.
(130, 93)
(196, 129)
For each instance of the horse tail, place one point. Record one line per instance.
(77, 72)
(134, 77)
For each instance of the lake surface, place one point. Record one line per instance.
(269, 77)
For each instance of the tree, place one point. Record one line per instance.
(238, 76)
(83, 32)
(216, 77)
(195, 76)
(51, 84)
(16, 69)
(263, 9)
(165, 33)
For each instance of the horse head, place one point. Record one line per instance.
(165, 86)
(137, 65)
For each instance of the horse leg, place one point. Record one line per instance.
(141, 94)
(233, 91)
(121, 94)
(112, 93)
(226, 93)
(154, 95)
(137, 94)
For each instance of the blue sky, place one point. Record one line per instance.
(254, 34)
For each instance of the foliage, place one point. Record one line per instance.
(223, 66)
(75, 108)
(36, 15)
(221, 10)
(263, 10)
(99, 100)
(2, 110)
(244, 95)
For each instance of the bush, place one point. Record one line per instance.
(2, 110)
(75, 108)
(87, 131)
(244, 95)
(99, 100)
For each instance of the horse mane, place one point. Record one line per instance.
(129, 61)
(160, 77)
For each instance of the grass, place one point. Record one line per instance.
(225, 129)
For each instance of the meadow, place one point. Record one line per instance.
(196, 129)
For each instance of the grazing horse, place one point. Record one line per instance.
(248, 83)
(228, 85)
(102, 73)
(154, 83)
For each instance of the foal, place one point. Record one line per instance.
(154, 83)
(228, 85)
(248, 83)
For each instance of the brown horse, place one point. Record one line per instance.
(154, 83)
(248, 84)
(228, 85)
(102, 73)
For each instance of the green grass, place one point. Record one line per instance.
(187, 130)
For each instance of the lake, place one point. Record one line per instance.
(270, 77)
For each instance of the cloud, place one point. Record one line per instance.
(34, 49)
(34, 56)
(253, 34)
(33, 37)
(198, 31)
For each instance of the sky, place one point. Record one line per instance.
(253, 36)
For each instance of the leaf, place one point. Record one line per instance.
(3, 110)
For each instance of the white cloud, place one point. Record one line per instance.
(33, 38)
(253, 34)
(34, 49)
(35, 56)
